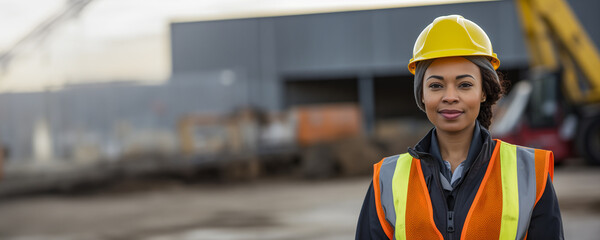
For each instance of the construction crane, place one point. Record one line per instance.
(71, 9)
(562, 57)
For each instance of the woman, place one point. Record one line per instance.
(457, 182)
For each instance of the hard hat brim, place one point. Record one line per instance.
(412, 65)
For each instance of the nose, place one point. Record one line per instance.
(450, 96)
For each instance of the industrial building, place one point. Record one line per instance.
(271, 63)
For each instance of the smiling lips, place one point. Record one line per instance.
(450, 114)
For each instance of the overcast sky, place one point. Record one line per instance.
(127, 39)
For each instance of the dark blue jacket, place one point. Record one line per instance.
(546, 222)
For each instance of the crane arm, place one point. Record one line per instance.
(547, 20)
(71, 9)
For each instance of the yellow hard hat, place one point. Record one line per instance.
(452, 36)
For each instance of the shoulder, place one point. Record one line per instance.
(541, 160)
(504, 144)
(389, 165)
(392, 160)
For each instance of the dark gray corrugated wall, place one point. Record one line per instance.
(266, 51)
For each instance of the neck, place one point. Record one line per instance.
(454, 146)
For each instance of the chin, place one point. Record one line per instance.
(452, 126)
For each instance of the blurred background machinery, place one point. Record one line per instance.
(312, 138)
(558, 107)
(319, 94)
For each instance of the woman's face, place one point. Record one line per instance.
(452, 92)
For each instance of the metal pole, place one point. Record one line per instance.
(366, 98)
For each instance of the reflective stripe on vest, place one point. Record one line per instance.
(513, 183)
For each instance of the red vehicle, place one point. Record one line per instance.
(558, 108)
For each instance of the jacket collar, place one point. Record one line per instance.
(428, 146)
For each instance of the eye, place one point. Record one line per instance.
(465, 85)
(435, 85)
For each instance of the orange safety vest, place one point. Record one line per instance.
(514, 182)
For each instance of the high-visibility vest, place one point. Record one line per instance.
(514, 182)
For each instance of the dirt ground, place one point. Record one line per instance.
(271, 208)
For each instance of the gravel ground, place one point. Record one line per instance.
(264, 209)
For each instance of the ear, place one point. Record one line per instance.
(483, 98)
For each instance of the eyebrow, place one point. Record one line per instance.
(464, 76)
(457, 77)
(434, 76)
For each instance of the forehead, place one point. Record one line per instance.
(452, 66)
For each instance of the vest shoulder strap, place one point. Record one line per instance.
(378, 184)
(401, 216)
(544, 167)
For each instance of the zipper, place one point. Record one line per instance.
(436, 177)
(450, 222)
(457, 198)
(451, 232)
(460, 195)
(451, 216)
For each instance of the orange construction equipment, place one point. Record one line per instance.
(326, 123)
